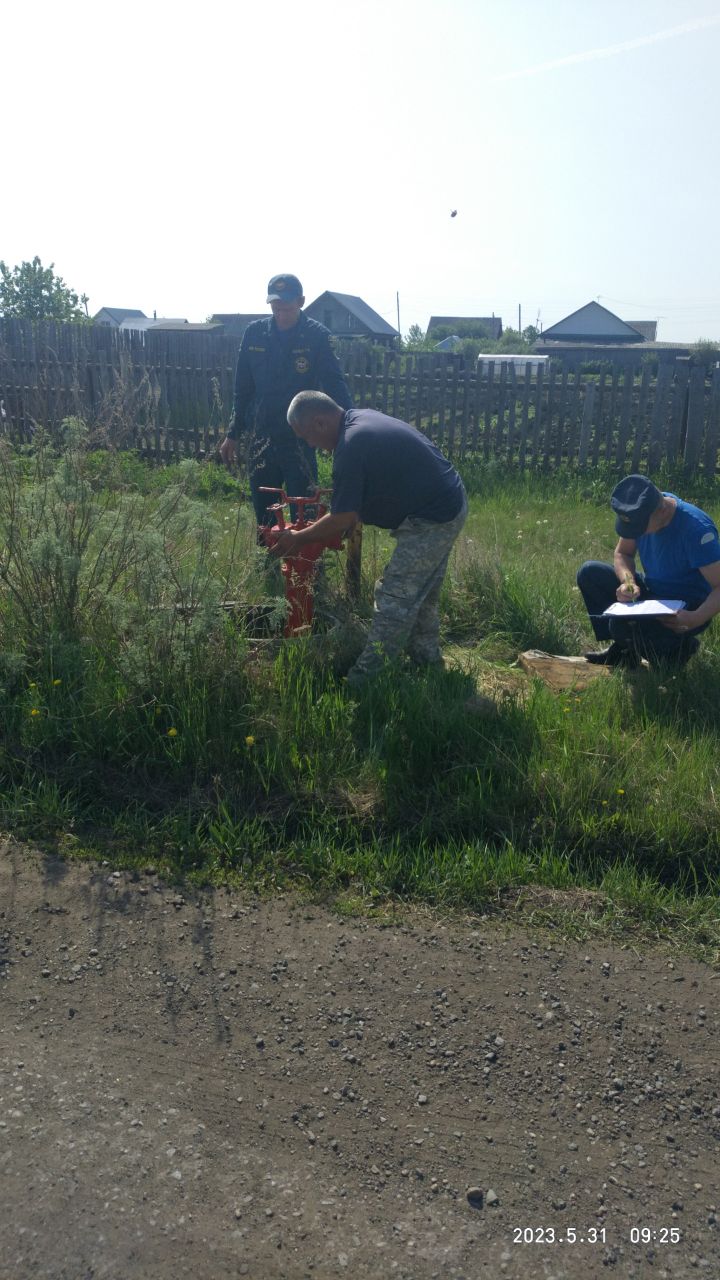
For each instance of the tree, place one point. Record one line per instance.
(462, 329)
(33, 292)
(415, 339)
(705, 351)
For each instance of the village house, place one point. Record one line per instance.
(347, 316)
(458, 326)
(595, 333)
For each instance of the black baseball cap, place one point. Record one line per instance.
(284, 289)
(633, 500)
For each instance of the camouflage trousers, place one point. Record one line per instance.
(405, 614)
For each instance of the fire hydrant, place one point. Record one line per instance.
(299, 570)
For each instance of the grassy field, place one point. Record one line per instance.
(141, 722)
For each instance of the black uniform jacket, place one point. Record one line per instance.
(273, 366)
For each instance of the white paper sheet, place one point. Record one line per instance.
(645, 608)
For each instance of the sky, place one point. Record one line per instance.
(174, 156)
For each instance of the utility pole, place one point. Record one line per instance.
(519, 317)
(397, 299)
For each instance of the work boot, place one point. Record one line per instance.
(616, 655)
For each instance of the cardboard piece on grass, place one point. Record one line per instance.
(560, 673)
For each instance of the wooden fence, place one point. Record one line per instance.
(170, 394)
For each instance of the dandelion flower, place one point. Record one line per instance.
(172, 733)
(604, 801)
(34, 712)
(249, 741)
(621, 791)
(33, 685)
(57, 682)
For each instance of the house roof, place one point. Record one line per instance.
(143, 323)
(491, 324)
(118, 314)
(648, 328)
(593, 323)
(359, 309)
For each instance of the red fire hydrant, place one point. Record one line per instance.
(298, 570)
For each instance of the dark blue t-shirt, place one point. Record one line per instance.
(672, 558)
(387, 471)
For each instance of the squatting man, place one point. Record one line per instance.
(386, 473)
(679, 548)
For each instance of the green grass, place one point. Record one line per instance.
(139, 732)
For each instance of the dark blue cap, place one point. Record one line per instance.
(633, 500)
(284, 289)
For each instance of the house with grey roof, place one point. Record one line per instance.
(168, 325)
(347, 316)
(648, 328)
(141, 324)
(458, 325)
(113, 317)
(595, 333)
(592, 323)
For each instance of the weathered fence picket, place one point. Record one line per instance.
(641, 420)
(696, 405)
(522, 445)
(678, 412)
(659, 425)
(586, 424)
(712, 429)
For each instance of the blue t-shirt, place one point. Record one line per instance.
(387, 471)
(673, 557)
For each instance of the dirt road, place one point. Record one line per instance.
(201, 1085)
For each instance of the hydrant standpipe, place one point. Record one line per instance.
(299, 570)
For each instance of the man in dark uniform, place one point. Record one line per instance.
(278, 357)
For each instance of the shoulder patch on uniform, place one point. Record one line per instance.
(707, 537)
